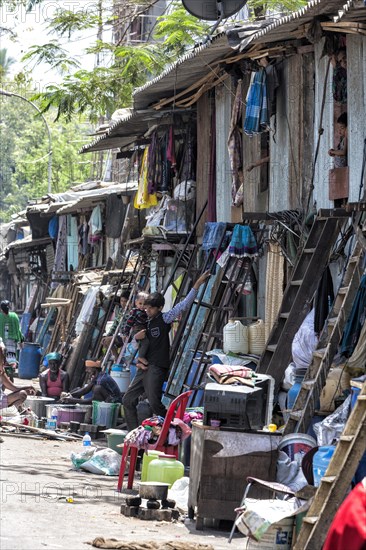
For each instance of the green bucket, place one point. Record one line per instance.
(114, 438)
(105, 414)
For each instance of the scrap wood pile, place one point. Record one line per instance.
(16, 429)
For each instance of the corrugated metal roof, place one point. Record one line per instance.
(183, 73)
(28, 242)
(122, 132)
(188, 69)
(353, 10)
(282, 27)
(72, 201)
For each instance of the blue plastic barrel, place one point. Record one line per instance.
(321, 461)
(29, 360)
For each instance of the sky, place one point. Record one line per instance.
(31, 29)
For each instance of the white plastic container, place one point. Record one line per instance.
(122, 378)
(235, 337)
(256, 336)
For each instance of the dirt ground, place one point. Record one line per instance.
(36, 479)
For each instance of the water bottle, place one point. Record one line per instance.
(86, 440)
(52, 423)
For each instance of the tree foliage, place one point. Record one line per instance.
(24, 154)
(261, 7)
(100, 91)
(6, 62)
(178, 31)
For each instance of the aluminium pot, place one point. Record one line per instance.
(153, 490)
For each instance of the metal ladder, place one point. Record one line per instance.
(315, 377)
(299, 293)
(334, 485)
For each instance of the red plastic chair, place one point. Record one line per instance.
(176, 410)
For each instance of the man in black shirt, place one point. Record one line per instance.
(153, 372)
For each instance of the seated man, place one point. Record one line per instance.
(54, 380)
(18, 395)
(100, 384)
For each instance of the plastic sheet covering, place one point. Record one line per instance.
(179, 492)
(228, 359)
(330, 429)
(289, 472)
(86, 309)
(289, 379)
(304, 342)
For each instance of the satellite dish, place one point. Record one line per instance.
(212, 10)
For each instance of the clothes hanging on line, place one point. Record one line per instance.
(257, 113)
(243, 242)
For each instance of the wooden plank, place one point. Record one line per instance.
(204, 140)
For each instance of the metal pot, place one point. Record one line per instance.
(153, 490)
(38, 404)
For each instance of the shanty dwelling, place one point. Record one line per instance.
(290, 168)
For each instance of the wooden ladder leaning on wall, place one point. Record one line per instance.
(334, 485)
(316, 375)
(299, 293)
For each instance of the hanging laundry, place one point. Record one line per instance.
(83, 231)
(152, 163)
(95, 225)
(188, 163)
(323, 300)
(355, 321)
(60, 254)
(213, 235)
(166, 174)
(234, 143)
(243, 242)
(144, 199)
(170, 153)
(272, 83)
(53, 227)
(95, 221)
(257, 113)
(115, 215)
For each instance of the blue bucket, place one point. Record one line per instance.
(29, 360)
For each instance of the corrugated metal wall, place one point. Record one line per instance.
(356, 93)
(356, 88)
(291, 144)
(324, 162)
(223, 99)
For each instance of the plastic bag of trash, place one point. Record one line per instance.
(78, 459)
(103, 461)
(332, 426)
(179, 493)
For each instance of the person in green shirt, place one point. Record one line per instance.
(10, 331)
